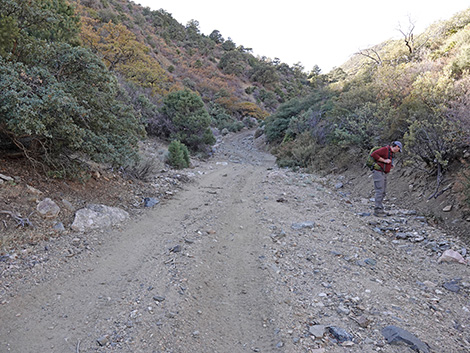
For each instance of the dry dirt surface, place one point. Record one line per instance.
(245, 257)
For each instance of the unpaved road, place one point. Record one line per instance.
(247, 258)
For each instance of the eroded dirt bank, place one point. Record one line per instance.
(246, 258)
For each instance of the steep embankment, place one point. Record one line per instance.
(411, 188)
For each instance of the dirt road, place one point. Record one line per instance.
(247, 258)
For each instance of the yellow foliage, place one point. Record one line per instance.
(242, 108)
(432, 86)
(251, 109)
(228, 103)
(122, 53)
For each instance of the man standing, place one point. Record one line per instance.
(383, 158)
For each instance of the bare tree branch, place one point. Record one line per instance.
(409, 36)
(372, 54)
(20, 221)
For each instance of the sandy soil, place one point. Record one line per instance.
(244, 258)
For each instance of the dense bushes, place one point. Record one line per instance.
(67, 105)
(297, 116)
(421, 98)
(222, 120)
(23, 23)
(58, 101)
(233, 62)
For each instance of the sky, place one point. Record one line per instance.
(324, 33)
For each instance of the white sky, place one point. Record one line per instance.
(324, 33)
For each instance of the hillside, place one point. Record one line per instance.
(415, 90)
(90, 78)
(221, 71)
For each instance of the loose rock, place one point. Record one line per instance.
(340, 334)
(6, 178)
(48, 208)
(299, 226)
(317, 330)
(452, 286)
(452, 256)
(395, 335)
(98, 217)
(150, 201)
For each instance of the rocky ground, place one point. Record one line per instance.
(239, 256)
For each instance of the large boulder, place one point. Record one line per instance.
(98, 217)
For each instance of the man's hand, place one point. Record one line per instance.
(386, 161)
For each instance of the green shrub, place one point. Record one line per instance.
(277, 125)
(68, 103)
(59, 103)
(232, 63)
(32, 22)
(9, 33)
(250, 90)
(222, 120)
(235, 126)
(189, 118)
(178, 155)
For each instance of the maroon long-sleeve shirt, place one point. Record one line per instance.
(386, 153)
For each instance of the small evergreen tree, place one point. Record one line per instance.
(178, 155)
(190, 119)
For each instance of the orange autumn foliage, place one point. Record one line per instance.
(122, 53)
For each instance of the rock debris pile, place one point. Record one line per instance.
(369, 283)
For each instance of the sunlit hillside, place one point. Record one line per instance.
(180, 56)
(416, 90)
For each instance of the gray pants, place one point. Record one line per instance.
(380, 186)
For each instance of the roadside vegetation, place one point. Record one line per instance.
(416, 89)
(87, 80)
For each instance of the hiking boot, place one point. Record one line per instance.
(380, 213)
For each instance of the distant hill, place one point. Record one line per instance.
(93, 77)
(221, 71)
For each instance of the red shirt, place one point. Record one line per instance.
(386, 153)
